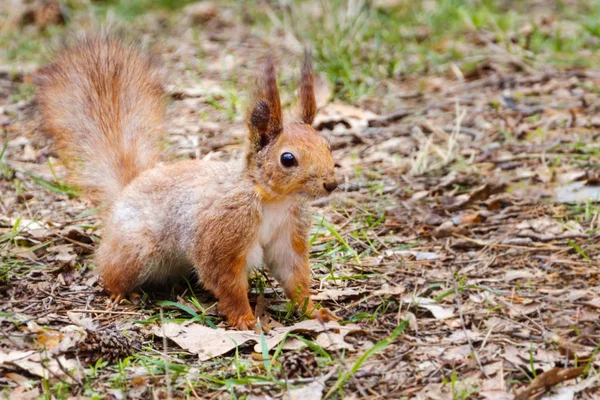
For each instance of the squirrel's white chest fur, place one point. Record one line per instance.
(275, 227)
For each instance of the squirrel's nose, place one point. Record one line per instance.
(330, 186)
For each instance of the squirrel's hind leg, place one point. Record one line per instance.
(121, 265)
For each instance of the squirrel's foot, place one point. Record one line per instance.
(133, 298)
(243, 323)
(324, 315)
(114, 300)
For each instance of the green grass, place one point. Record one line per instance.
(359, 45)
(378, 347)
(129, 10)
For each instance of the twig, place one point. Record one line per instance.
(104, 312)
(187, 380)
(342, 363)
(462, 320)
(165, 356)
(78, 243)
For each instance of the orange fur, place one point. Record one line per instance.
(307, 101)
(103, 102)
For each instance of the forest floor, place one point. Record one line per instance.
(461, 251)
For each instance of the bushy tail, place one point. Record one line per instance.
(104, 102)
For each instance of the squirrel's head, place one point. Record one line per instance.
(291, 159)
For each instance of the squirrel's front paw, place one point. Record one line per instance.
(324, 315)
(243, 323)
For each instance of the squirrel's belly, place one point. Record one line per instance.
(274, 224)
(167, 269)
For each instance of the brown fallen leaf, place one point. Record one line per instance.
(41, 365)
(546, 380)
(482, 193)
(19, 379)
(43, 13)
(577, 192)
(351, 117)
(200, 12)
(335, 294)
(23, 393)
(437, 310)
(215, 342)
(574, 351)
(333, 341)
(417, 255)
(469, 219)
(387, 290)
(312, 391)
(65, 253)
(47, 339)
(512, 275)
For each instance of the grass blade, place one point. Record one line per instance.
(379, 346)
(340, 239)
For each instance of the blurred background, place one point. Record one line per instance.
(467, 136)
(363, 47)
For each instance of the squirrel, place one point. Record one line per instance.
(103, 100)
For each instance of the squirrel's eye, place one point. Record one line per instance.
(288, 160)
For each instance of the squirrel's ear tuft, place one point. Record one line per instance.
(308, 104)
(264, 119)
(258, 124)
(271, 95)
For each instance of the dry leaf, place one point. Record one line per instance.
(336, 113)
(387, 290)
(23, 393)
(215, 342)
(438, 311)
(517, 274)
(418, 255)
(548, 379)
(332, 341)
(42, 366)
(201, 12)
(64, 253)
(481, 193)
(461, 337)
(577, 192)
(48, 339)
(335, 294)
(58, 341)
(19, 379)
(312, 391)
(203, 340)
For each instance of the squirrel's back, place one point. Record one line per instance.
(103, 101)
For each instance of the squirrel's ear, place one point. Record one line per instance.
(258, 124)
(308, 104)
(264, 118)
(271, 95)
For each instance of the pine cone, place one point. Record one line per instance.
(300, 364)
(108, 345)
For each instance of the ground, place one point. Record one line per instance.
(461, 251)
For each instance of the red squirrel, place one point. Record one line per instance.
(104, 102)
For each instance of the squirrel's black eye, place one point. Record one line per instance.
(288, 160)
